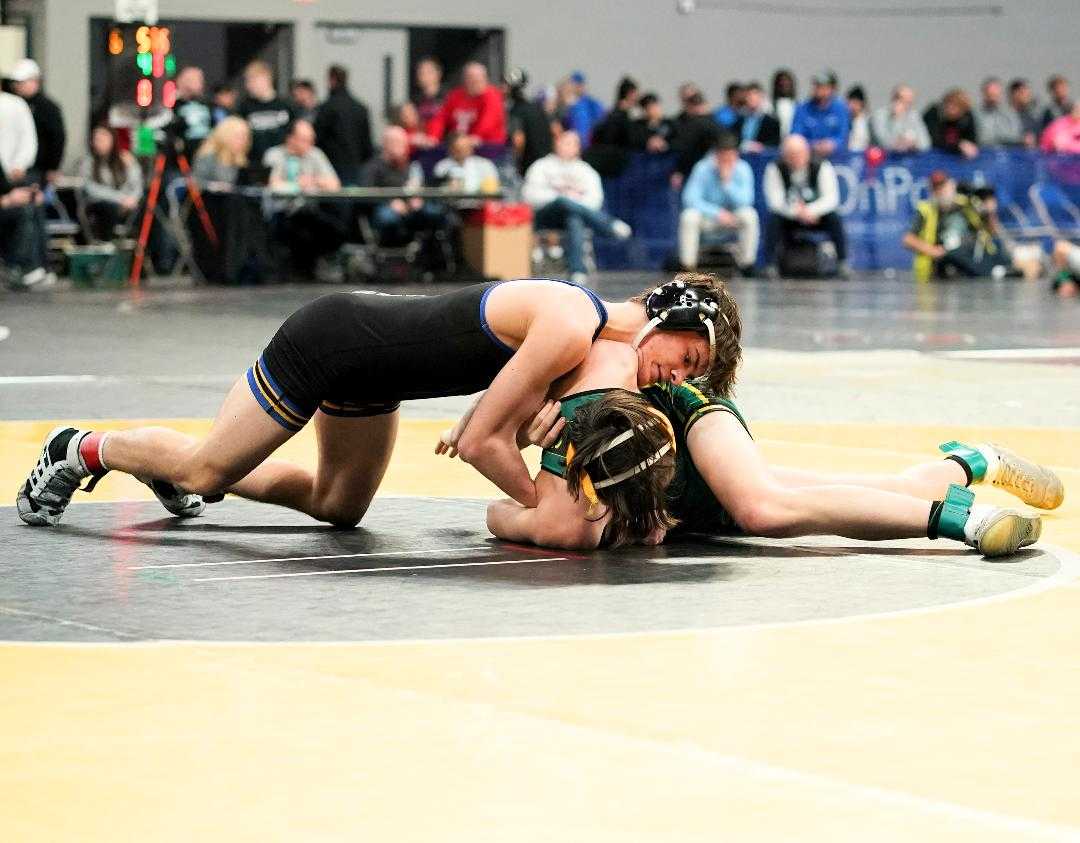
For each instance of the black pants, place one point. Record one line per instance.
(309, 233)
(22, 238)
(784, 233)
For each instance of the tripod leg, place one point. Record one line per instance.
(147, 221)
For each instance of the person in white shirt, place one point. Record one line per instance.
(898, 127)
(802, 195)
(464, 171)
(859, 131)
(565, 193)
(18, 137)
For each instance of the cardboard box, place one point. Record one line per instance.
(497, 241)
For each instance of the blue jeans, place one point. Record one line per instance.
(573, 217)
(392, 226)
(22, 238)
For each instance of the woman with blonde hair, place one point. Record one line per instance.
(223, 154)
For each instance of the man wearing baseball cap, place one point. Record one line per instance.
(48, 120)
(823, 119)
(585, 112)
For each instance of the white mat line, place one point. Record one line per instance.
(1012, 353)
(447, 550)
(58, 380)
(22, 613)
(379, 570)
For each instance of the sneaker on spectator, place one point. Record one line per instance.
(37, 279)
(770, 272)
(581, 278)
(621, 230)
(843, 271)
(555, 252)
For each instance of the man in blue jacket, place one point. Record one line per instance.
(823, 119)
(719, 195)
(586, 111)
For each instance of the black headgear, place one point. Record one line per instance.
(678, 306)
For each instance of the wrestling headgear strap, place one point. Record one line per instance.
(678, 306)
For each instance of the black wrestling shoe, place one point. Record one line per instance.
(180, 503)
(59, 473)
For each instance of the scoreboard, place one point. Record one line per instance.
(142, 67)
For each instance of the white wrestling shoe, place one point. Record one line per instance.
(59, 473)
(180, 503)
(1034, 484)
(994, 531)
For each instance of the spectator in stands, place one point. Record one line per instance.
(565, 193)
(305, 102)
(784, 99)
(756, 128)
(858, 138)
(695, 134)
(613, 137)
(527, 124)
(686, 92)
(1022, 101)
(429, 90)
(1066, 259)
(408, 118)
(223, 154)
(22, 236)
(802, 195)
(223, 101)
(951, 126)
(476, 108)
(48, 121)
(399, 219)
(995, 123)
(719, 195)
(898, 127)
(18, 138)
(823, 119)
(1057, 86)
(652, 132)
(112, 184)
(343, 127)
(309, 231)
(462, 170)
(192, 117)
(728, 113)
(584, 111)
(1063, 134)
(268, 115)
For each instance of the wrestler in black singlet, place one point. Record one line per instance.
(362, 353)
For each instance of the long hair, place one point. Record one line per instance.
(727, 325)
(216, 145)
(112, 163)
(637, 504)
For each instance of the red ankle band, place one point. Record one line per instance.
(90, 451)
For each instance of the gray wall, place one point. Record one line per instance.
(651, 40)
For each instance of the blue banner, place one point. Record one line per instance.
(877, 201)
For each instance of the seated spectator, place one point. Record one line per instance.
(858, 138)
(823, 119)
(1057, 86)
(953, 234)
(305, 102)
(565, 193)
(268, 115)
(528, 125)
(1066, 258)
(192, 117)
(223, 101)
(802, 195)
(223, 155)
(719, 195)
(784, 99)
(695, 134)
(309, 231)
(1022, 101)
(48, 121)
(18, 140)
(951, 126)
(995, 123)
(112, 184)
(1063, 134)
(898, 127)
(464, 171)
(343, 127)
(429, 90)
(476, 108)
(652, 132)
(726, 115)
(583, 112)
(398, 220)
(22, 236)
(756, 128)
(408, 118)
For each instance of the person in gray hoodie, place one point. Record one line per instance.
(898, 127)
(997, 124)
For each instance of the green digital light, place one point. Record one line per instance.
(170, 65)
(145, 61)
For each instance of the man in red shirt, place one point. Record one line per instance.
(475, 109)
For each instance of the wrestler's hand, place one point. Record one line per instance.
(546, 425)
(656, 536)
(448, 439)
